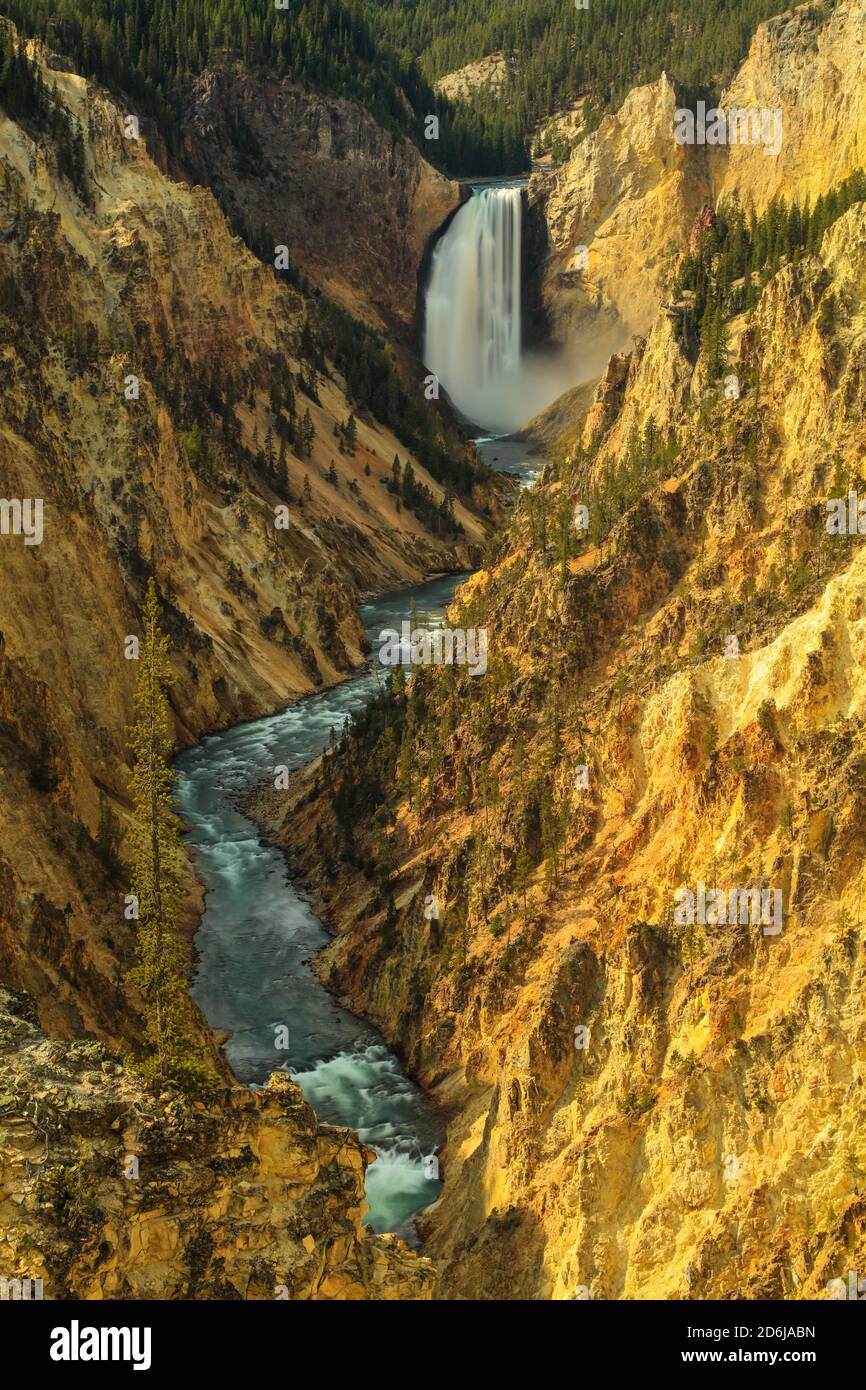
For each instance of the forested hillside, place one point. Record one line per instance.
(736, 256)
(388, 56)
(561, 52)
(151, 49)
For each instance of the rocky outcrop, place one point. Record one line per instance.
(356, 204)
(623, 197)
(809, 64)
(107, 1192)
(490, 73)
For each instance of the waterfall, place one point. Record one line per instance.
(472, 328)
(472, 310)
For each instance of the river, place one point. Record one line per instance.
(258, 931)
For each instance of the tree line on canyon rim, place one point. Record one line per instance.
(389, 57)
(25, 96)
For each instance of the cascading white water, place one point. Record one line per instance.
(472, 311)
(472, 328)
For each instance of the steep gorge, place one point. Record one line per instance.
(154, 397)
(703, 1138)
(150, 284)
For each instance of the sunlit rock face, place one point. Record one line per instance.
(247, 1197)
(644, 1106)
(615, 213)
(811, 66)
(629, 193)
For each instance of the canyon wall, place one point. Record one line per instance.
(148, 292)
(811, 65)
(641, 1105)
(625, 195)
(629, 194)
(141, 343)
(356, 203)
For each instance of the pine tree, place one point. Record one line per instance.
(522, 877)
(714, 339)
(283, 472)
(307, 435)
(351, 434)
(157, 872)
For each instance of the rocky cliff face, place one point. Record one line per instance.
(490, 73)
(124, 324)
(623, 196)
(811, 65)
(356, 204)
(108, 1192)
(629, 193)
(644, 1103)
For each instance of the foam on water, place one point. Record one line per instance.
(366, 1089)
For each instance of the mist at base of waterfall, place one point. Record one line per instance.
(507, 402)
